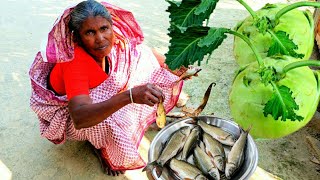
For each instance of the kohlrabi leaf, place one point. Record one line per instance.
(174, 2)
(283, 45)
(192, 45)
(190, 12)
(206, 7)
(282, 104)
(214, 38)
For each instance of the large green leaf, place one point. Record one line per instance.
(190, 12)
(192, 45)
(214, 38)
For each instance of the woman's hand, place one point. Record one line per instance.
(147, 94)
(180, 71)
(187, 73)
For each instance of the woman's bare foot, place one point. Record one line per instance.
(105, 165)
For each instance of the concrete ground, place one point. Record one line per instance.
(25, 155)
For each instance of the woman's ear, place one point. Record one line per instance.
(74, 37)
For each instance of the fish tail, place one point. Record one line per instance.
(201, 145)
(149, 166)
(249, 128)
(246, 131)
(154, 165)
(159, 170)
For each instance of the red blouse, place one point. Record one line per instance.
(77, 76)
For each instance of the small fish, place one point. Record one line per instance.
(179, 156)
(185, 170)
(204, 163)
(161, 115)
(236, 154)
(216, 132)
(190, 160)
(190, 142)
(215, 151)
(171, 149)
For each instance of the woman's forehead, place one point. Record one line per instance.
(93, 22)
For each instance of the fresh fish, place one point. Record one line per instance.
(173, 146)
(179, 156)
(185, 170)
(204, 163)
(216, 132)
(215, 151)
(161, 115)
(236, 154)
(190, 142)
(190, 160)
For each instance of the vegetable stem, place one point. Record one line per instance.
(300, 64)
(254, 49)
(294, 6)
(249, 9)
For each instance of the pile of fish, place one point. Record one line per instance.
(197, 152)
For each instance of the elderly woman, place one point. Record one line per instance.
(95, 81)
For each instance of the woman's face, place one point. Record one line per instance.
(96, 36)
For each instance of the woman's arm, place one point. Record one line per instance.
(86, 114)
(161, 58)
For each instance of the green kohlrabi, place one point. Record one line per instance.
(276, 29)
(277, 95)
(274, 110)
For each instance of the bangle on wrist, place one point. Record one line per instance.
(130, 90)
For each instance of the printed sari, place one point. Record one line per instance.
(132, 64)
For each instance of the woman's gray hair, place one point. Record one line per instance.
(84, 10)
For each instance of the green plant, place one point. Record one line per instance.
(276, 29)
(276, 95)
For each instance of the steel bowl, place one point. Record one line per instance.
(251, 153)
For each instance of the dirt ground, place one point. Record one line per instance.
(28, 156)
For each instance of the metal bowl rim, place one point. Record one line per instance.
(246, 174)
